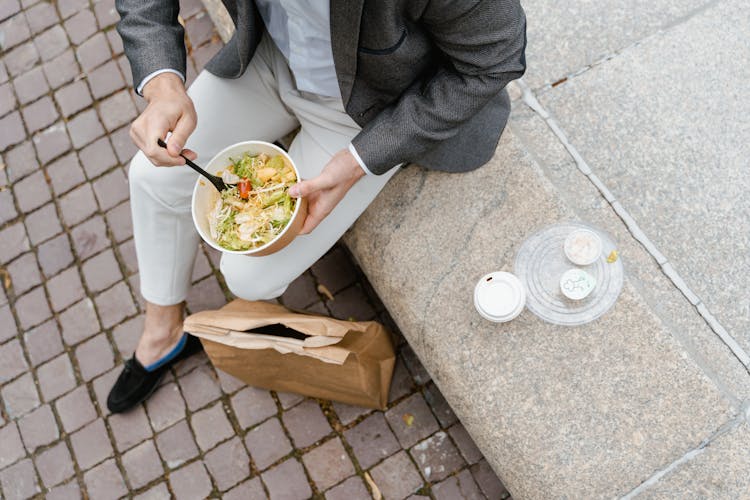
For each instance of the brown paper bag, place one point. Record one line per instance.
(267, 345)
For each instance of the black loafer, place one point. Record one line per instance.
(135, 384)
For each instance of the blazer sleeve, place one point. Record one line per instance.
(152, 37)
(484, 41)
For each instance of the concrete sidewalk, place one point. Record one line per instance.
(69, 315)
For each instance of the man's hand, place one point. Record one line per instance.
(169, 110)
(326, 190)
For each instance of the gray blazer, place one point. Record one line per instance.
(424, 78)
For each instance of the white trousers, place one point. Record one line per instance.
(263, 104)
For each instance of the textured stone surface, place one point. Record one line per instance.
(529, 375)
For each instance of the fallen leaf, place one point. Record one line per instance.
(7, 282)
(612, 257)
(322, 289)
(408, 419)
(2, 165)
(376, 495)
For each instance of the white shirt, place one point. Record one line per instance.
(302, 32)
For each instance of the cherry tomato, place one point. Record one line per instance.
(245, 188)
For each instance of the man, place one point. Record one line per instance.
(373, 84)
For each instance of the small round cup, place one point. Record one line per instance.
(205, 196)
(499, 297)
(583, 247)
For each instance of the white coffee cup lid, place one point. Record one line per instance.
(499, 296)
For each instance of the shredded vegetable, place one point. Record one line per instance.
(258, 207)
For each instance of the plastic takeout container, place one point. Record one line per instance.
(205, 196)
(499, 296)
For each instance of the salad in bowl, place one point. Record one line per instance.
(256, 215)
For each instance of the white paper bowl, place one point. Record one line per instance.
(205, 195)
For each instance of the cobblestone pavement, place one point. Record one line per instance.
(70, 314)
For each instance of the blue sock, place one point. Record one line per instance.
(169, 357)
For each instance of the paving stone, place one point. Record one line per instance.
(351, 489)
(422, 425)
(165, 407)
(351, 304)
(19, 481)
(176, 445)
(7, 208)
(65, 288)
(158, 492)
(21, 59)
(414, 365)
(105, 79)
(14, 241)
(84, 128)
(306, 423)
(54, 465)
(7, 99)
(32, 308)
(124, 65)
(249, 490)
(54, 255)
(56, 377)
(211, 426)
(128, 258)
(51, 142)
(228, 463)
(142, 464)
(396, 477)
(126, 336)
(21, 161)
(105, 481)
(61, 69)
(101, 271)
(52, 42)
(191, 482)
(206, 294)
(73, 98)
(31, 85)
(90, 237)
(115, 42)
(67, 491)
(253, 405)
(91, 444)
(9, 8)
(437, 457)
(42, 224)
(199, 29)
(94, 357)
(205, 53)
(102, 386)
(289, 399)
(20, 397)
(11, 130)
(201, 268)
(267, 443)
(120, 222)
(69, 7)
(460, 486)
(124, 147)
(3, 72)
(43, 342)
(14, 31)
(114, 305)
(188, 365)
(111, 189)
(200, 387)
(78, 205)
(79, 322)
(328, 464)
(300, 293)
(335, 270)
(75, 409)
(487, 480)
(39, 114)
(6, 319)
(371, 440)
(41, 16)
(288, 481)
(32, 192)
(38, 428)
(129, 428)
(12, 362)
(93, 52)
(11, 446)
(439, 405)
(24, 271)
(81, 26)
(106, 13)
(97, 157)
(117, 110)
(465, 444)
(65, 173)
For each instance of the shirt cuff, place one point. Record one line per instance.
(139, 88)
(359, 160)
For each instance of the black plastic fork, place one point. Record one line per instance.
(218, 183)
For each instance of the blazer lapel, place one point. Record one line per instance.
(345, 19)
